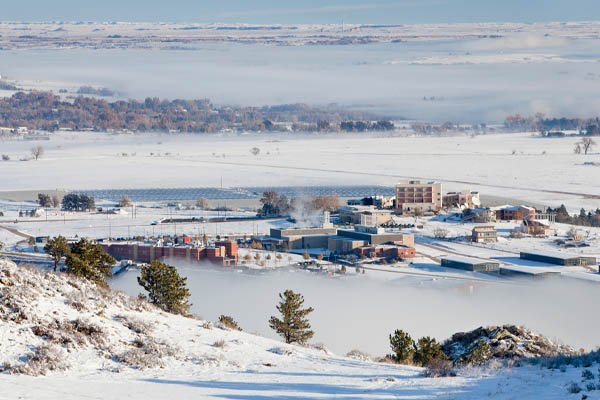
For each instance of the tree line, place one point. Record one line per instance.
(548, 126)
(48, 112)
(70, 202)
(274, 204)
(584, 218)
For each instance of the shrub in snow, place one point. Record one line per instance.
(147, 354)
(207, 325)
(282, 351)
(587, 375)
(46, 358)
(439, 367)
(359, 355)
(225, 321)
(573, 388)
(70, 333)
(219, 343)
(590, 386)
(135, 324)
(320, 347)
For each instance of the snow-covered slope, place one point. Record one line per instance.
(95, 343)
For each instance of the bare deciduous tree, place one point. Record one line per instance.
(125, 201)
(55, 200)
(585, 145)
(37, 151)
(202, 203)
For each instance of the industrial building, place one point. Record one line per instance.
(309, 238)
(558, 258)
(414, 195)
(470, 264)
(484, 234)
(339, 241)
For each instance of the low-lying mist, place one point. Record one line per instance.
(380, 78)
(360, 311)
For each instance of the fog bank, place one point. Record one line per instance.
(361, 311)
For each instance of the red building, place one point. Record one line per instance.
(396, 252)
(223, 253)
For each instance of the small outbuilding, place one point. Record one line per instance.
(470, 264)
(558, 258)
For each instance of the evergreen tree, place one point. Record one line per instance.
(293, 326)
(481, 353)
(403, 347)
(57, 248)
(166, 288)
(44, 200)
(90, 261)
(428, 349)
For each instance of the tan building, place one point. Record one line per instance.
(484, 234)
(536, 227)
(411, 195)
(364, 215)
(465, 198)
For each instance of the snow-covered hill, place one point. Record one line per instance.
(62, 337)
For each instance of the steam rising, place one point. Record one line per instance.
(361, 311)
(305, 214)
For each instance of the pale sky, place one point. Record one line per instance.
(302, 12)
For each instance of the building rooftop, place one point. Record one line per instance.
(556, 254)
(469, 260)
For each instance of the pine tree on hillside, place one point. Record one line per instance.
(57, 248)
(166, 288)
(427, 350)
(90, 261)
(403, 347)
(294, 326)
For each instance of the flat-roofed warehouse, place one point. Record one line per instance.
(558, 258)
(470, 264)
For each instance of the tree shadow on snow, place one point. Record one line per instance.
(307, 390)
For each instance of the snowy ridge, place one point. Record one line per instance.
(101, 344)
(97, 35)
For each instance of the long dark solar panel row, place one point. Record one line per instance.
(175, 194)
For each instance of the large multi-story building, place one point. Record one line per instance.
(223, 252)
(414, 195)
(517, 213)
(484, 234)
(466, 199)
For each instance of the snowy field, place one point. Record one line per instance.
(142, 35)
(542, 171)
